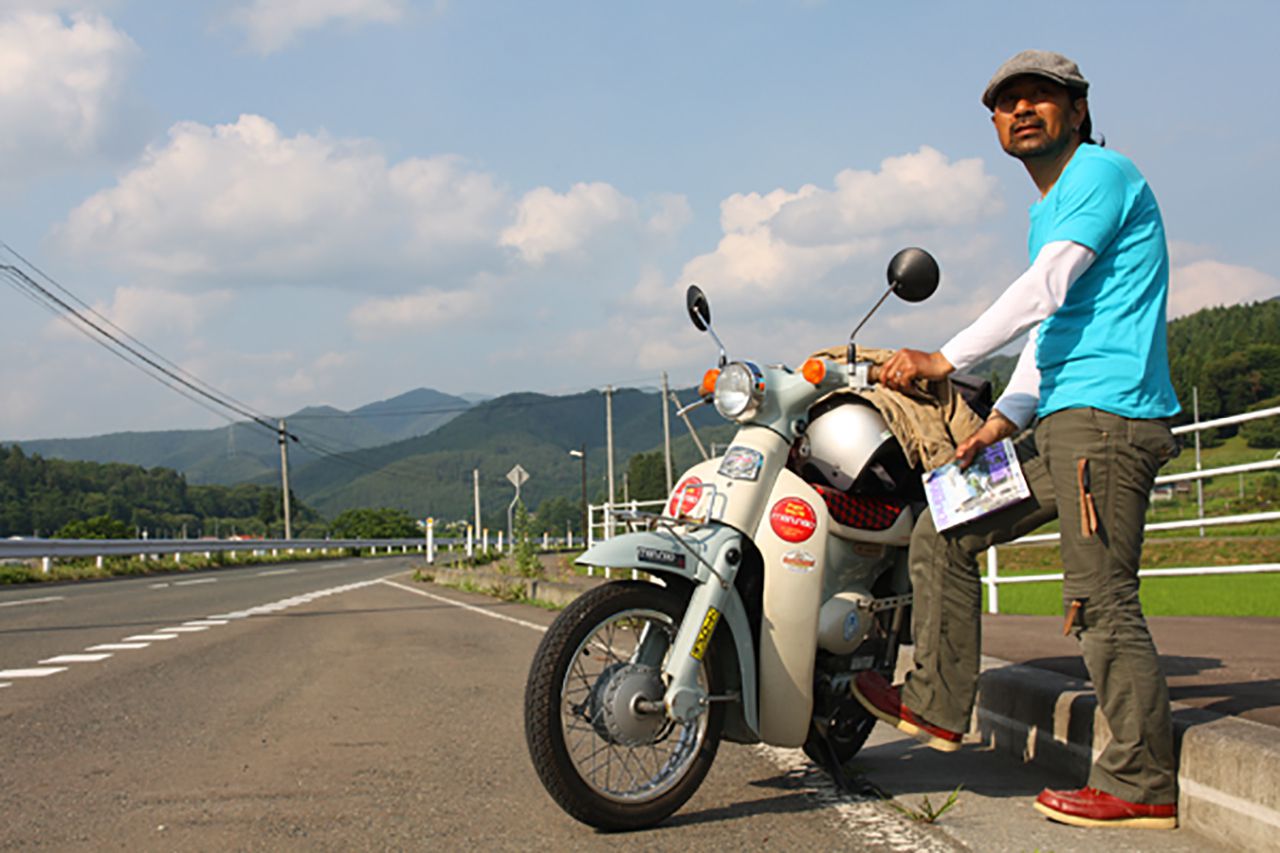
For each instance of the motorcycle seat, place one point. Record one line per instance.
(867, 519)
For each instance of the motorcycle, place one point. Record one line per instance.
(777, 573)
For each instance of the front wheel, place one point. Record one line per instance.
(603, 759)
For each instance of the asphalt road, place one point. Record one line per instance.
(340, 705)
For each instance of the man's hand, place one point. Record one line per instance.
(996, 427)
(907, 365)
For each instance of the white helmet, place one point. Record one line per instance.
(843, 439)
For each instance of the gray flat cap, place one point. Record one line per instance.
(1042, 63)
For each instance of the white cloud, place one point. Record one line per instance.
(240, 203)
(783, 244)
(919, 190)
(146, 311)
(273, 24)
(1204, 284)
(60, 88)
(548, 223)
(427, 309)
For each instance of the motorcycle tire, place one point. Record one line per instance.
(556, 728)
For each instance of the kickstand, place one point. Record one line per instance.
(833, 763)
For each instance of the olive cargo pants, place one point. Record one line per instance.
(1094, 471)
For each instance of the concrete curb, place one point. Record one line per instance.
(1227, 766)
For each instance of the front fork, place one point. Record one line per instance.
(686, 697)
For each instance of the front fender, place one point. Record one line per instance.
(663, 553)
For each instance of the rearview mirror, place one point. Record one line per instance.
(699, 308)
(913, 275)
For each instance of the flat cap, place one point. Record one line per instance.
(1042, 63)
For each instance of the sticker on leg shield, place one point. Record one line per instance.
(704, 634)
(793, 520)
(741, 463)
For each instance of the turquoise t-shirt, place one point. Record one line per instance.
(1106, 347)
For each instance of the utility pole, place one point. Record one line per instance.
(666, 432)
(608, 435)
(283, 437)
(475, 484)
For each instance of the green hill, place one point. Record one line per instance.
(432, 475)
(240, 452)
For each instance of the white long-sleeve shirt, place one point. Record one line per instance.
(1031, 298)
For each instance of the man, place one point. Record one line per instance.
(1095, 373)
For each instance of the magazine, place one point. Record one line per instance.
(992, 481)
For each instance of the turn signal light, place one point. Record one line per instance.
(814, 370)
(708, 386)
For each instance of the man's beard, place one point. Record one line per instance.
(1041, 147)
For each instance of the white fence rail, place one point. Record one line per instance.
(992, 580)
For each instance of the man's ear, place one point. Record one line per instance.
(1081, 108)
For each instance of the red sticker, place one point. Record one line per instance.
(793, 520)
(684, 498)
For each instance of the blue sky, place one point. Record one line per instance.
(334, 201)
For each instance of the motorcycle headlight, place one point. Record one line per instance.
(739, 391)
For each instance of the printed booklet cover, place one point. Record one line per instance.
(992, 481)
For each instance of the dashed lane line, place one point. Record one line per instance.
(277, 572)
(43, 600)
(93, 658)
(32, 672)
(100, 652)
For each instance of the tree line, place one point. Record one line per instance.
(40, 497)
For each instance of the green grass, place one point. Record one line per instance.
(1209, 595)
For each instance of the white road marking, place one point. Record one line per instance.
(184, 629)
(78, 658)
(149, 638)
(116, 647)
(195, 581)
(277, 572)
(46, 598)
(465, 606)
(205, 623)
(157, 585)
(6, 683)
(34, 672)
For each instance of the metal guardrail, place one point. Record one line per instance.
(48, 550)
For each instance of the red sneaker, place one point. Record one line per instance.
(1091, 807)
(881, 698)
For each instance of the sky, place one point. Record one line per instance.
(310, 202)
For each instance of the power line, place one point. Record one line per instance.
(20, 279)
(107, 321)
